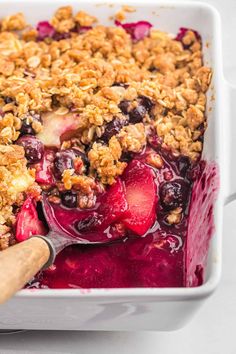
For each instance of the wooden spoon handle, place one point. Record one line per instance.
(19, 263)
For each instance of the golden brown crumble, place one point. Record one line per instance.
(132, 137)
(84, 183)
(121, 14)
(155, 160)
(15, 179)
(105, 160)
(91, 74)
(175, 216)
(13, 23)
(85, 19)
(63, 20)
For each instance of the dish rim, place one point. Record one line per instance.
(152, 294)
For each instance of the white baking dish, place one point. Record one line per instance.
(139, 308)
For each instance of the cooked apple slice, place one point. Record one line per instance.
(141, 195)
(56, 125)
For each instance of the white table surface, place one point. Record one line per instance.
(213, 330)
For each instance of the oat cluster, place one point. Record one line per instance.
(15, 179)
(100, 74)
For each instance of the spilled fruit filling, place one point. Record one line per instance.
(103, 126)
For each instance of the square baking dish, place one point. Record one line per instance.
(139, 308)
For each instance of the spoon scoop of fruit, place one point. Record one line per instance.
(21, 262)
(130, 203)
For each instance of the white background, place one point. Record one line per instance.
(213, 330)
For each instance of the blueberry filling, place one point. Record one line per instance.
(113, 128)
(111, 151)
(137, 114)
(26, 127)
(33, 147)
(64, 160)
(69, 199)
(124, 106)
(174, 194)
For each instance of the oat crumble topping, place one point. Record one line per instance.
(97, 75)
(15, 179)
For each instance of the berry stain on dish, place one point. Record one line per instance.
(110, 141)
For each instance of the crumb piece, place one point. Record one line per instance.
(34, 190)
(30, 35)
(105, 160)
(85, 19)
(132, 137)
(63, 20)
(63, 13)
(86, 201)
(155, 160)
(194, 117)
(175, 216)
(4, 238)
(189, 38)
(37, 126)
(15, 179)
(121, 14)
(83, 183)
(189, 95)
(54, 199)
(129, 9)
(203, 76)
(14, 22)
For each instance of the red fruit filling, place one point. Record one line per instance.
(44, 174)
(45, 30)
(200, 224)
(182, 32)
(90, 225)
(27, 222)
(136, 205)
(155, 221)
(137, 30)
(139, 262)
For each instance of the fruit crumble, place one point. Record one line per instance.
(105, 125)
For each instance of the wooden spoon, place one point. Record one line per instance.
(21, 262)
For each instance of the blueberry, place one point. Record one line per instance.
(113, 128)
(8, 99)
(184, 165)
(69, 199)
(63, 161)
(59, 36)
(124, 106)
(137, 114)
(33, 147)
(121, 84)
(146, 102)
(26, 127)
(55, 102)
(126, 156)
(174, 194)
(90, 223)
(153, 68)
